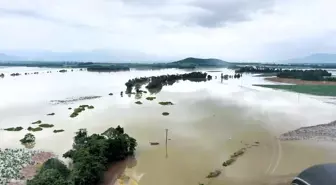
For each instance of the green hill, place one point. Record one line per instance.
(199, 62)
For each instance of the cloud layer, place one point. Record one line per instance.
(237, 30)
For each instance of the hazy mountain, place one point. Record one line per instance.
(314, 58)
(201, 62)
(5, 57)
(79, 56)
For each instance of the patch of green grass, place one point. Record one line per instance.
(44, 125)
(319, 90)
(166, 103)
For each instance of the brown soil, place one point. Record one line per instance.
(299, 82)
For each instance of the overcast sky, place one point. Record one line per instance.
(227, 29)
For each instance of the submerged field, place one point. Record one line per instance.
(319, 90)
(207, 123)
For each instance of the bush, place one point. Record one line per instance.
(51, 114)
(138, 102)
(28, 138)
(57, 131)
(34, 129)
(44, 125)
(90, 107)
(166, 103)
(165, 113)
(150, 98)
(37, 122)
(13, 129)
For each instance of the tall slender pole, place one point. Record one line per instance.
(166, 143)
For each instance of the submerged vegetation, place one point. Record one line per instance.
(37, 122)
(13, 129)
(309, 75)
(71, 100)
(166, 103)
(80, 109)
(34, 129)
(138, 102)
(44, 125)
(319, 90)
(91, 157)
(165, 113)
(110, 68)
(150, 98)
(28, 138)
(157, 82)
(57, 131)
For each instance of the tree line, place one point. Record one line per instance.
(311, 75)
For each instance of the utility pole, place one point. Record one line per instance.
(166, 143)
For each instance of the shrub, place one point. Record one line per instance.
(150, 98)
(165, 113)
(34, 129)
(37, 122)
(28, 138)
(166, 103)
(14, 129)
(44, 125)
(138, 102)
(57, 131)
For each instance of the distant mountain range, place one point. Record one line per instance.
(77, 56)
(318, 58)
(122, 56)
(201, 62)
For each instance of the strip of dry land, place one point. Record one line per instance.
(299, 82)
(322, 132)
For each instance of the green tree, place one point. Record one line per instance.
(48, 177)
(56, 164)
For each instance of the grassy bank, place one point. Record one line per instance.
(319, 90)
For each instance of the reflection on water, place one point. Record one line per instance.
(208, 122)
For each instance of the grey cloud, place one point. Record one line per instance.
(216, 13)
(146, 2)
(36, 15)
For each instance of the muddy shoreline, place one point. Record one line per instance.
(298, 82)
(322, 132)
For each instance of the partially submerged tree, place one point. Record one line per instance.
(91, 157)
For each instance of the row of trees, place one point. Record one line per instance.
(252, 69)
(312, 75)
(156, 82)
(110, 68)
(91, 157)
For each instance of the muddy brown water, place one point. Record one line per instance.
(207, 123)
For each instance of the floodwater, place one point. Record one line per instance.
(208, 123)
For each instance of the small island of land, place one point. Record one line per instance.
(315, 82)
